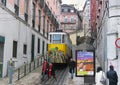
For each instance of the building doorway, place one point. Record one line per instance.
(32, 47)
(1, 57)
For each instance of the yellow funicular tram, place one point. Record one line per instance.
(59, 48)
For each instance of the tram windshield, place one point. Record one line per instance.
(56, 38)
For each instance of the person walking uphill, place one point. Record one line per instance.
(99, 75)
(71, 67)
(51, 71)
(44, 69)
(112, 76)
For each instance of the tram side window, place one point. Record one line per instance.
(63, 38)
(56, 38)
(50, 38)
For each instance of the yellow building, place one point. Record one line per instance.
(76, 34)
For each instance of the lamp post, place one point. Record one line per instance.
(76, 35)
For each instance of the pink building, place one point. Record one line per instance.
(70, 19)
(93, 14)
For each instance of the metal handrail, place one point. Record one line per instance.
(27, 68)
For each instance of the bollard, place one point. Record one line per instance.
(41, 61)
(30, 67)
(11, 72)
(18, 73)
(24, 70)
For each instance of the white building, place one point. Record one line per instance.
(86, 18)
(23, 31)
(108, 30)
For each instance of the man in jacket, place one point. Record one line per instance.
(112, 76)
(71, 67)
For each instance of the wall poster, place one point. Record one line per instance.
(85, 63)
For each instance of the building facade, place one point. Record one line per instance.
(24, 27)
(106, 32)
(71, 21)
(86, 18)
(70, 18)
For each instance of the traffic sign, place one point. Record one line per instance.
(117, 42)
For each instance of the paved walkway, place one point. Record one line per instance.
(33, 78)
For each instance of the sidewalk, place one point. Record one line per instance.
(33, 78)
(74, 81)
(30, 79)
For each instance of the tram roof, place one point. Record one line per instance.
(57, 33)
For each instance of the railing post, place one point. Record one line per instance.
(18, 73)
(24, 70)
(34, 64)
(41, 60)
(38, 63)
(30, 67)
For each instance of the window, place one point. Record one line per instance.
(39, 22)
(26, 6)
(15, 49)
(16, 6)
(71, 10)
(38, 45)
(56, 38)
(24, 49)
(43, 25)
(62, 10)
(65, 10)
(26, 10)
(46, 47)
(63, 38)
(4, 2)
(72, 27)
(68, 10)
(47, 28)
(50, 37)
(43, 47)
(33, 17)
(72, 19)
(50, 27)
(65, 19)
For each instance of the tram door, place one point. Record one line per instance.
(1, 57)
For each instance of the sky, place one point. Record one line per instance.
(78, 3)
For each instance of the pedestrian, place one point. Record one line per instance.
(11, 62)
(51, 71)
(10, 71)
(49, 57)
(72, 67)
(100, 74)
(112, 76)
(44, 69)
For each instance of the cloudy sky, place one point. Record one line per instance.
(78, 3)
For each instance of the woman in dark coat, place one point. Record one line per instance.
(112, 76)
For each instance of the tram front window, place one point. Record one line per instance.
(56, 38)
